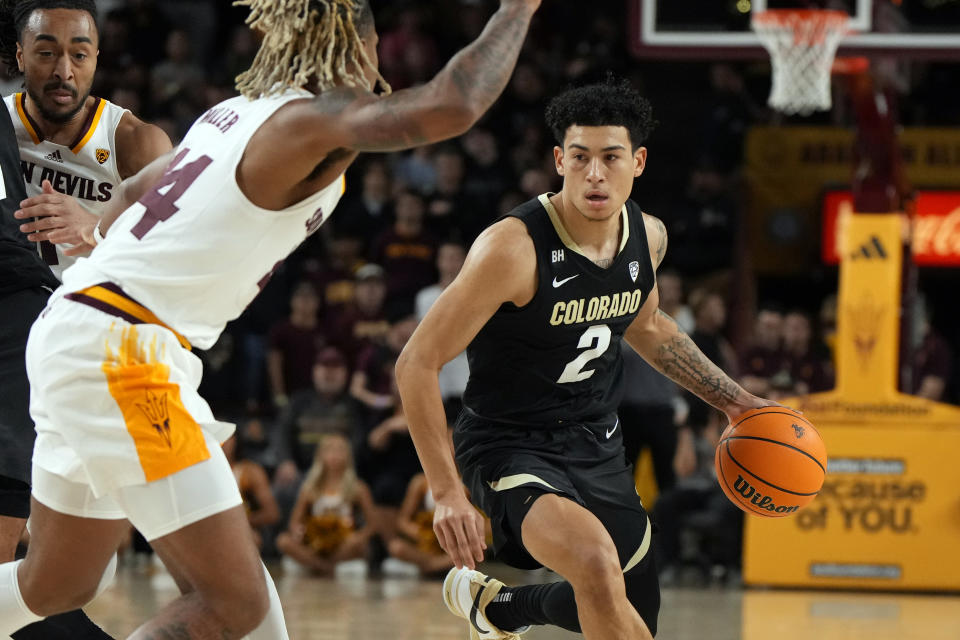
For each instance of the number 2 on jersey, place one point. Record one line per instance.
(574, 372)
(162, 206)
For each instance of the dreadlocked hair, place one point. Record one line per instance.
(306, 40)
(13, 18)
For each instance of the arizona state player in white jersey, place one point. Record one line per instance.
(541, 305)
(122, 431)
(71, 143)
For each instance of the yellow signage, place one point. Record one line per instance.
(889, 511)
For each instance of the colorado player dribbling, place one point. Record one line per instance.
(122, 431)
(541, 305)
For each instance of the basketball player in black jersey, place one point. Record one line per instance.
(541, 304)
(25, 284)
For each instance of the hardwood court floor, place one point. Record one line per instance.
(357, 608)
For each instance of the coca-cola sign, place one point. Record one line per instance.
(936, 227)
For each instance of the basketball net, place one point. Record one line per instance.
(802, 44)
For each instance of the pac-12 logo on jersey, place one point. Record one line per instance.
(103, 155)
(634, 270)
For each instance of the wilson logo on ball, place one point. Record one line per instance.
(759, 500)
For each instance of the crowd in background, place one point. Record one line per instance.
(323, 454)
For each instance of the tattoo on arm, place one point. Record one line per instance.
(681, 360)
(662, 247)
(481, 71)
(469, 84)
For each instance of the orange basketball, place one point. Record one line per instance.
(771, 462)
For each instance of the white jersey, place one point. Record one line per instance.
(86, 169)
(195, 251)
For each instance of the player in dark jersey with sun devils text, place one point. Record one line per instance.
(543, 301)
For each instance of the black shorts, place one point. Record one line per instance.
(20, 309)
(503, 465)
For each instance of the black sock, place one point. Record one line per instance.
(74, 625)
(552, 603)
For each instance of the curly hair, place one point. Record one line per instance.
(13, 19)
(613, 102)
(307, 40)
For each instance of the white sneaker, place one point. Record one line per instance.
(467, 593)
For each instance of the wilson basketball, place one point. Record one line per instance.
(771, 462)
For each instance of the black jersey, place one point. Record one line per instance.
(558, 357)
(20, 264)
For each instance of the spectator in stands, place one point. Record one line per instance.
(407, 253)
(698, 504)
(311, 415)
(387, 461)
(408, 56)
(487, 176)
(370, 212)
(331, 520)
(177, 73)
(294, 344)
(762, 358)
(702, 226)
(416, 542)
(670, 286)
(649, 412)
(932, 356)
(710, 316)
(454, 374)
(365, 322)
(334, 276)
(450, 207)
(258, 501)
(806, 367)
(372, 378)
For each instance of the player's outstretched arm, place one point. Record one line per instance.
(446, 106)
(500, 267)
(129, 192)
(657, 337)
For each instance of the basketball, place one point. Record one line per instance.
(771, 462)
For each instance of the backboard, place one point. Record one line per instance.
(717, 29)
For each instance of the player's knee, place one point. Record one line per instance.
(242, 605)
(598, 572)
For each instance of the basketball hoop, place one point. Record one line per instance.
(802, 44)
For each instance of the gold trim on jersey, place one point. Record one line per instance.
(642, 551)
(36, 134)
(91, 127)
(20, 100)
(512, 482)
(565, 236)
(126, 305)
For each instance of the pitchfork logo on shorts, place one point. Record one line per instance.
(634, 270)
(155, 408)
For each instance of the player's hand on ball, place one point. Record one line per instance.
(60, 218)
(737, 409)
(459, 528)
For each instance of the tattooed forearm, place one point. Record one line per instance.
(481, 71)
(681, 360)
(449, 104)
